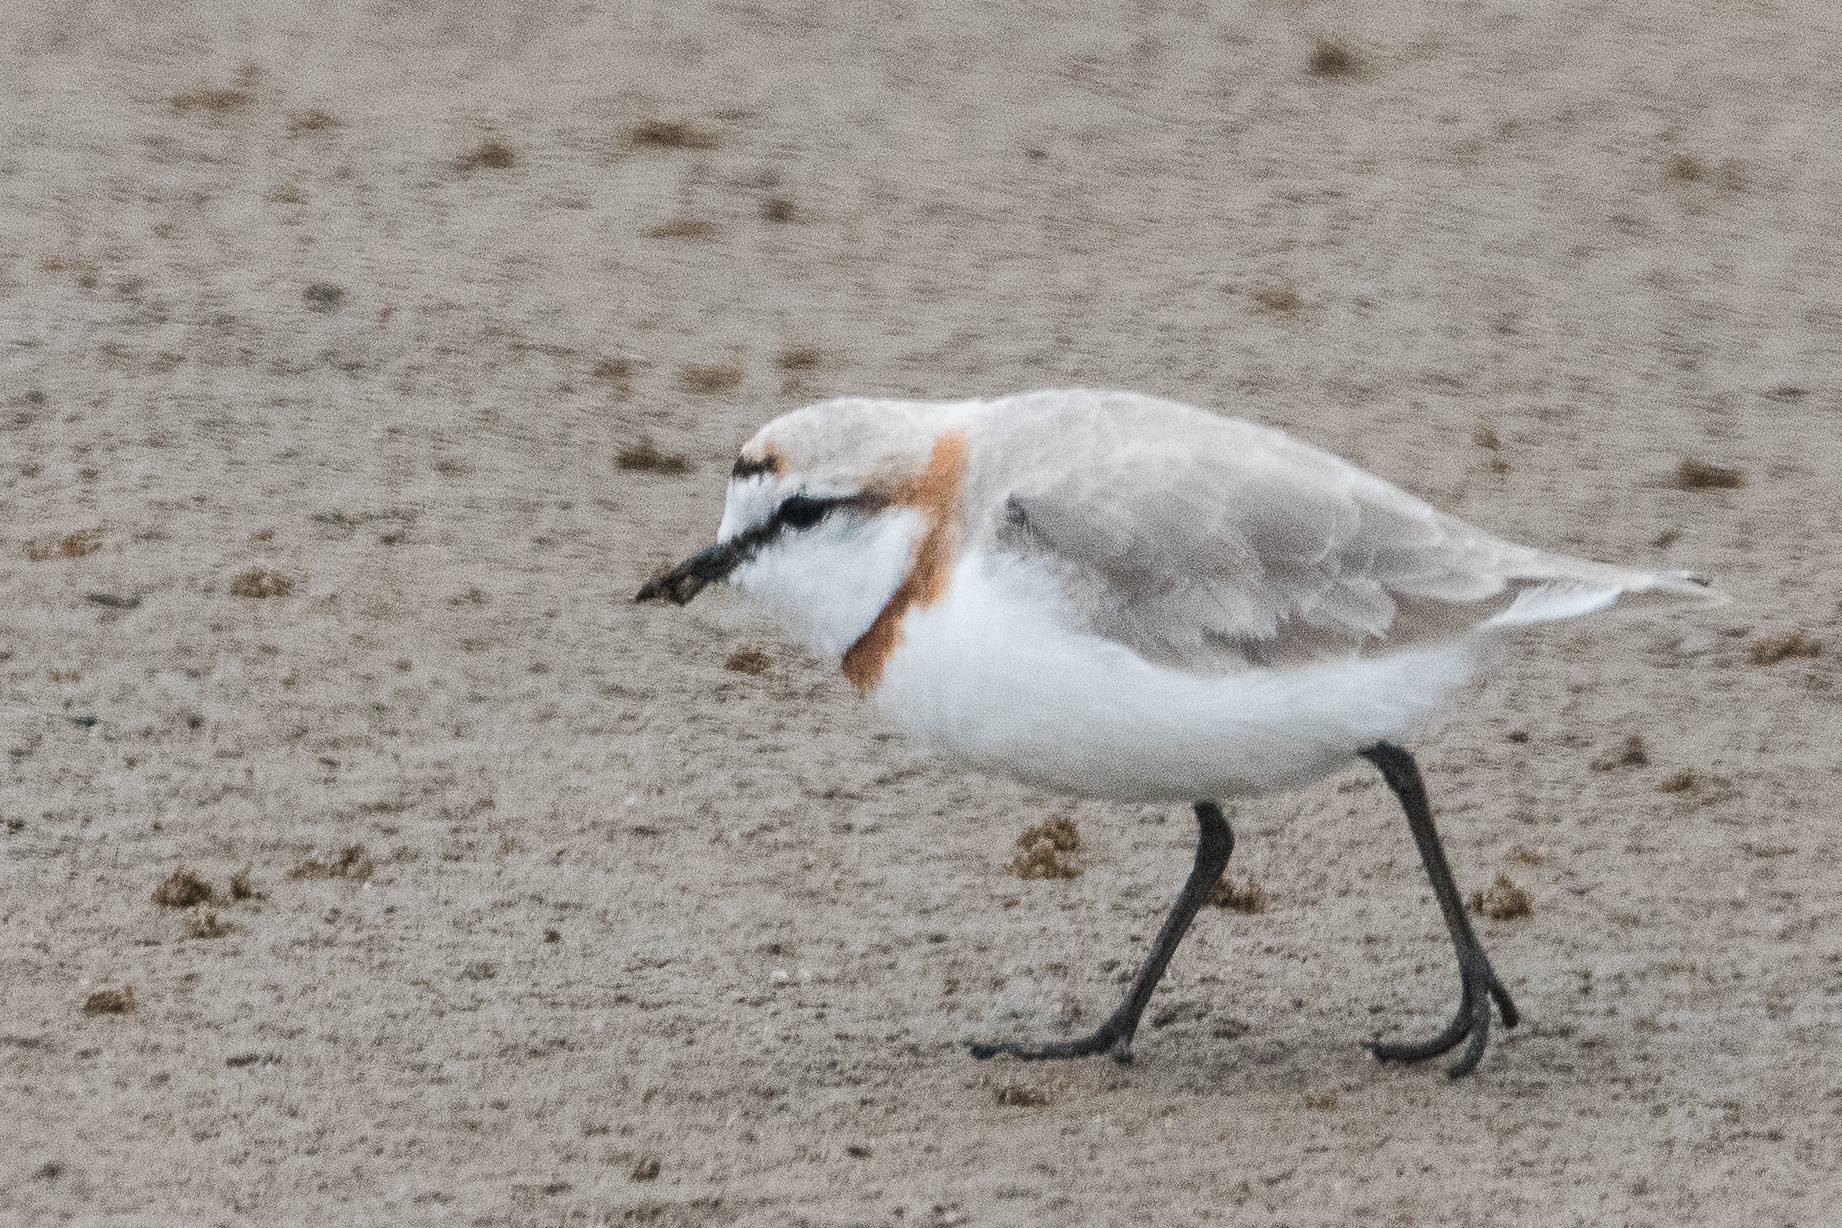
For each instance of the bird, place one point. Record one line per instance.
(1116, 596)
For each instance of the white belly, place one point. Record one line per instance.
(999, 675)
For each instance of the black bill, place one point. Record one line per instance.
(686, 580)
(796, 513)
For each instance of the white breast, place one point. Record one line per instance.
(1000, 674)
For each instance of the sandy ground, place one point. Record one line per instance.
(371, 298)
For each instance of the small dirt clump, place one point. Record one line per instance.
(746, 660)
(258, 583)
(1282, 299)
(1705, 788)
(70, 546)
(1330, 58)
(1021, 1096)
(1249, 898)
(1504, 901)
(323, 296)
(207, 925)
(683, 228)
(1180, 1012)
(352, 862)
(1051, 849)
(1775, 648)
(490, 155)
(110, 1002)
(241, 888)
(671, 134)
(1630, 753)
(645, 457)
(212, 100)
(183, 889)
(708, 380)
(1693, 474)
(311, 121)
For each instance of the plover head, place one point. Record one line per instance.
(838, 518)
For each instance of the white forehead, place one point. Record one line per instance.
(750, 501)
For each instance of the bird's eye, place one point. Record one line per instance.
(802, 511)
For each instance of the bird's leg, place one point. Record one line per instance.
(1480, 983)
(1214, 843)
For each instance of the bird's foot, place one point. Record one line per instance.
(1108, 1038)
(1472, 1021)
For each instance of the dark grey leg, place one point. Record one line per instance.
(1474, 972)
(1213, 845)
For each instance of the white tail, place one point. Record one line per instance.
(1563, 597)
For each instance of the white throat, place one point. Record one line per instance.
(828, 583)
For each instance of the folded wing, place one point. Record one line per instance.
(1239, 546)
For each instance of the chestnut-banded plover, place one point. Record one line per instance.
(1115, 596)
